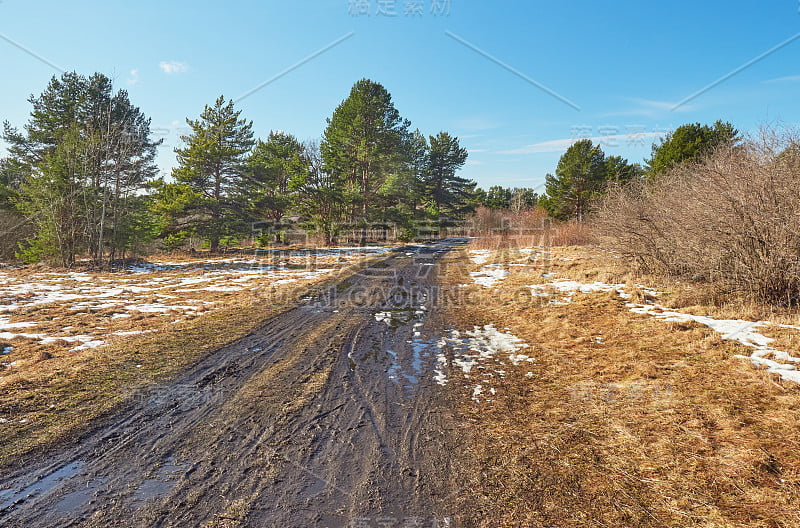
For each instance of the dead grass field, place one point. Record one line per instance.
(135, 329)
(623, 419)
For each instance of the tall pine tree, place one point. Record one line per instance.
(580, 177)
(273, 165)
(362, 144)
(83, 155)
(212, 168)
(447, 193)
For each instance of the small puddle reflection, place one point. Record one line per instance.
(74, 500)
(165, 479)
(408, 375)
(43, 485)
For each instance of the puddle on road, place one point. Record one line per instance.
(165, 479)
(74, 500)
(84, 489)
(404, 371)
(43, 485)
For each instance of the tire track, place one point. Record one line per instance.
(298, 424)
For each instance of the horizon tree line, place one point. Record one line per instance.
(82, 171)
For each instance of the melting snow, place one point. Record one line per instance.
(488, 276)
(480, 256)
(570, 287)
(145, 289)
(741, 331)
(738, 330)
(472, 350)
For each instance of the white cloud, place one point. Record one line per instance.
(560, 145)
(134, 77)
(791, 78)
(474, 162)
(173, 67)
(474, 151)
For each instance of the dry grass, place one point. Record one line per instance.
(497, 229)
(626, 420)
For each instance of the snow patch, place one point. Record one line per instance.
(739, 330)
(488, 276)
(479, 256)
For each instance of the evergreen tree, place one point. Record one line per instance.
(13, 172)
(212, 168)
(515, 199)
(689, 142)
(363, 143)
(447, 193)
(402, 191)
(497, 197)
(620, 171)
(580, 177)
(84, 154)
(272, 166)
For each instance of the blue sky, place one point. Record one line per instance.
(503, 76)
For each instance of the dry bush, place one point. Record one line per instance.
(571, 234)
(732, 219)
(498, 229)
(14, 229)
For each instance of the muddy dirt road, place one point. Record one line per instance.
(329, 415)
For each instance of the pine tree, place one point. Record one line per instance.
(403, 189)
(212, 165)
(689, 142)
(618, 170)
(272, 166)
(447, 193)
(580, 177)
(85, 152)
(363, 142)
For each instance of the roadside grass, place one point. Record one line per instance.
(55, 394)
(624, 420)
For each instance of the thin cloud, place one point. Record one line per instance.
(173, 67)
(790, 78)
(650, 108)
(560, 145)
(475, 151)
(134, 78)
(474, 162)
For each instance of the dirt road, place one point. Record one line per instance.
(329, 415)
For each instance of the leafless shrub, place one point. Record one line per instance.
(732, 219)
(496, 229)
(571, 234)
(13, 229)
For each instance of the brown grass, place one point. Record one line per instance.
(626, 421)
(497, 229)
